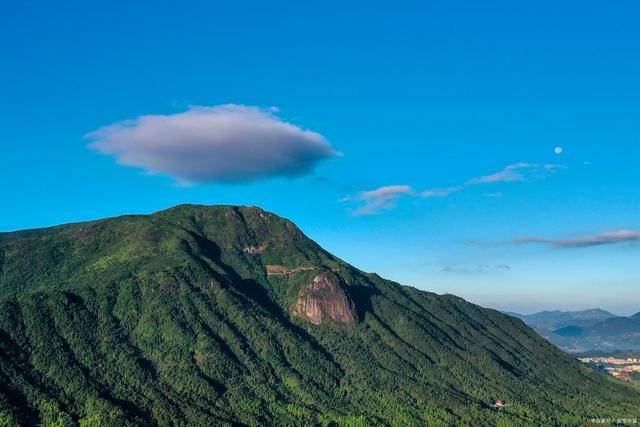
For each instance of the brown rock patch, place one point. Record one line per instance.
(325, 298)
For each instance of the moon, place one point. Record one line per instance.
(558, 150)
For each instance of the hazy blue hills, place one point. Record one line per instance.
(226, 315)
(552, 320)
(585, 330)
(610, 327)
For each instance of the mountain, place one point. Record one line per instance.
(607, 328)
(231, 315)
(636, 316)
(580, 331)
(616, 333)
(552, 320)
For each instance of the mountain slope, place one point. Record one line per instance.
(210, 315)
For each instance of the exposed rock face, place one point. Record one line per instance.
(325, 298)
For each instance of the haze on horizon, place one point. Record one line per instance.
(486, 151)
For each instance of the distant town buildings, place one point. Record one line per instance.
(619, 368)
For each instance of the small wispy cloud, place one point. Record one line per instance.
(502, 176)
(479, 268)
(609, 238)
(441, 192)
(383, 198)
(511, 173)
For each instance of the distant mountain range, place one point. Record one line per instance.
(585, 330)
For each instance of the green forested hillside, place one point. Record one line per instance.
(212, 315)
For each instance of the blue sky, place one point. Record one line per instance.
(411, 95)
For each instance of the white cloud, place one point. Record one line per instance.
(609, 238)
(440, 192)
(383, 198)
(226, 143)
(502, 176)
(511, 173)
(479, 268)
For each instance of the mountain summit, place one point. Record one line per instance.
(201, 315)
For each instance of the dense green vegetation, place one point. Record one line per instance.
(172, 318)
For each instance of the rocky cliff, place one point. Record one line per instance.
(325, 298)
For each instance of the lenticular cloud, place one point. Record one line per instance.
(227, 143)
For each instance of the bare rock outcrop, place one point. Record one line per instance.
(325, 298)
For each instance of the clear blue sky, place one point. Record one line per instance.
(426, 96)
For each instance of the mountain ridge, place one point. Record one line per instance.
(207, 315)
(584, 330)
(550, 320)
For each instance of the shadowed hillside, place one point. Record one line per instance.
(212, 315)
